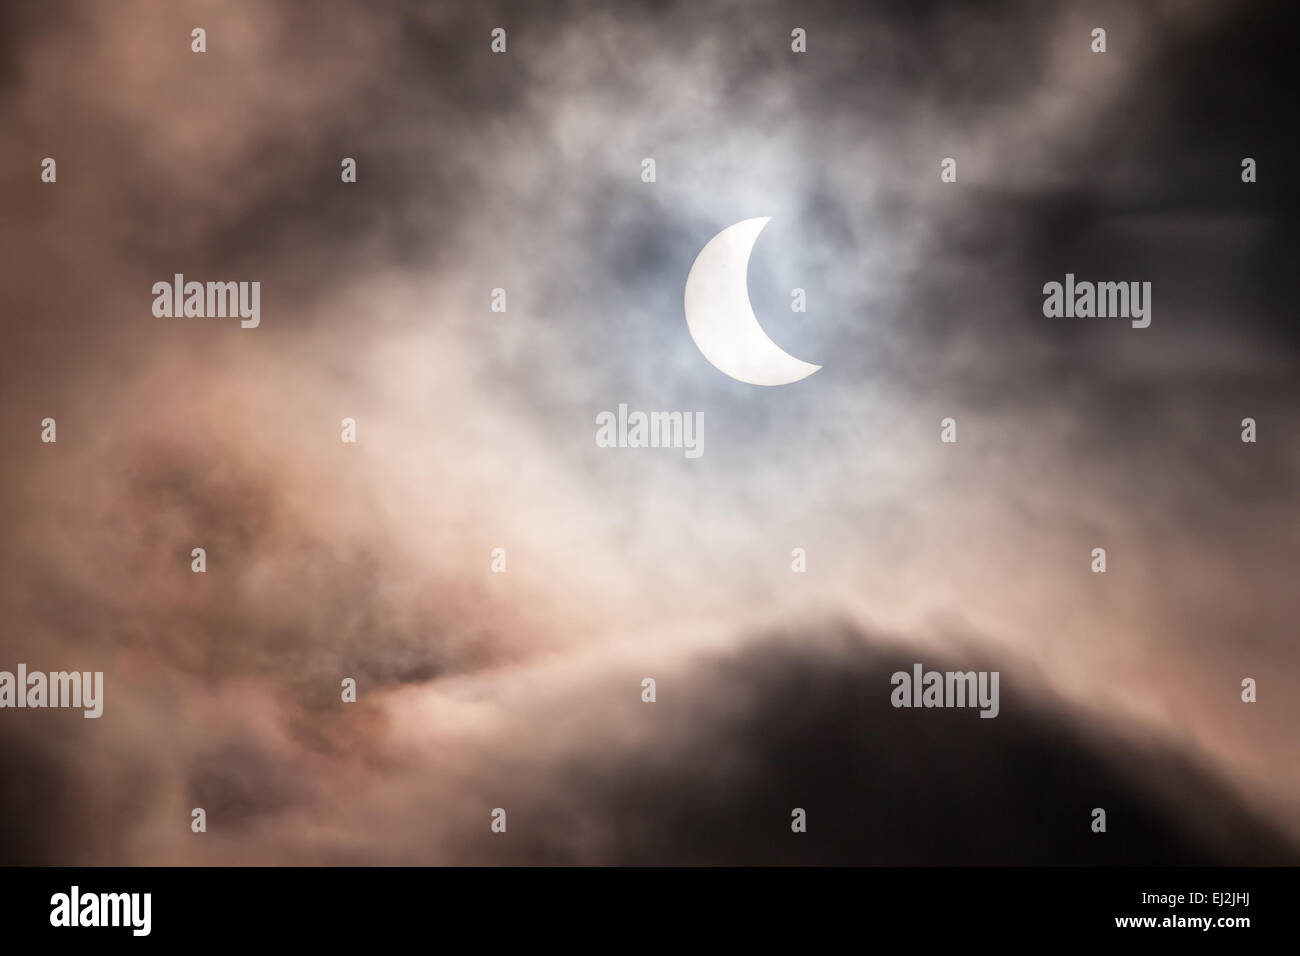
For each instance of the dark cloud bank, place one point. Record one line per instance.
(814, 729)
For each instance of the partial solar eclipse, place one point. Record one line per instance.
(721, 320)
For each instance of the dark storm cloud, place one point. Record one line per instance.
(808, 724)
(710, 775)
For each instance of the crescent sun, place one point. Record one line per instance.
(721, 319)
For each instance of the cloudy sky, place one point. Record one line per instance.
(475, 429)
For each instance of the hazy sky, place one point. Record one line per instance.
(476, 431)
